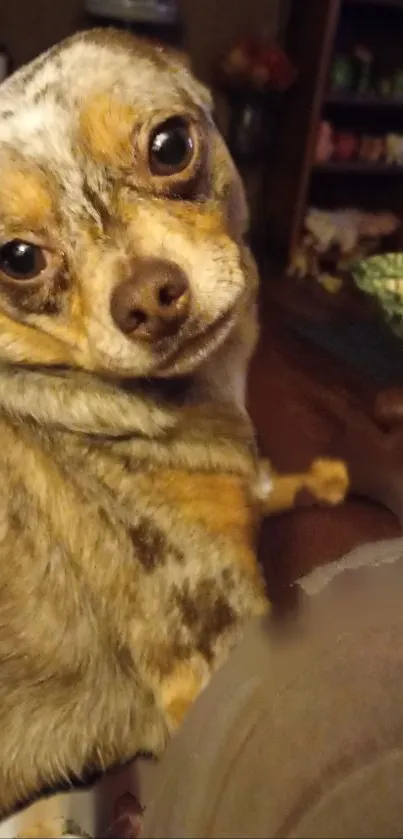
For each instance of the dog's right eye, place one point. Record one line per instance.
(171, 147)
(21, 260)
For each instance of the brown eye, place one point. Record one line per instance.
(21, 260)
(171, 147)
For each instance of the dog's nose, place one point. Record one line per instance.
(154, 302)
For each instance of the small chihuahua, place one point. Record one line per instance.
(130, 494)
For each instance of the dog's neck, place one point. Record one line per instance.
(89, 404)
(178, 426)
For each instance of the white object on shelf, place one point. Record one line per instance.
(135, 11)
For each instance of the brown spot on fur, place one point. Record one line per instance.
(165, 656)
(151, 545)
(105, 130)
(207, 614)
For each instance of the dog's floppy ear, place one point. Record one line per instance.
(178, 62)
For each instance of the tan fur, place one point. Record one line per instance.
(25, 200)
(106, 126)
(221, 502)
(20, 343)
(179, 691)
(128, 503)
(127, 519)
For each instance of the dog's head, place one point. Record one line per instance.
(121, 213)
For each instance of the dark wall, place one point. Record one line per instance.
(29, 26)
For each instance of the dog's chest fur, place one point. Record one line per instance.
(130, 580)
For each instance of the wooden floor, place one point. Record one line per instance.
(305, 405)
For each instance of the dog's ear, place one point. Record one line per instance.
(178, 62)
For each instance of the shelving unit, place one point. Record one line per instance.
(392, 4)
(294, 180)
(356, 167)
(368, 100)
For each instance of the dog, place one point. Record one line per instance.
(131, 485)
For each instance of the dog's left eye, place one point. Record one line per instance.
(171, 147)
(21, 260)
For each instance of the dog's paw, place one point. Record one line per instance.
(327, 480)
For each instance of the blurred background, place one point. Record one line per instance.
(30, 26)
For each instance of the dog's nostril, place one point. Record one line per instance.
(135, 318)
(171, 292)
(166, 296)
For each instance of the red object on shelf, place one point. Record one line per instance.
(273, 68)
(259, 65)
(345, 146)
(324, 143)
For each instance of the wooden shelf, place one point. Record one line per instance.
(314, 35)
(391, 4)
(362, 100)
(357, 167)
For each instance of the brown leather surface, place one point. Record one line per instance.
(306, 405)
